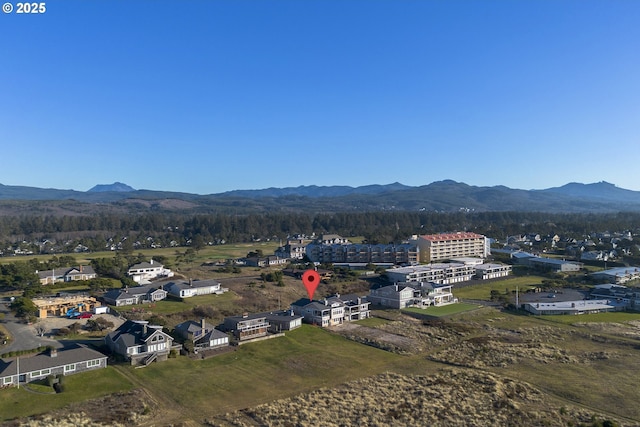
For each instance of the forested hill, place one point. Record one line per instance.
(441, 196)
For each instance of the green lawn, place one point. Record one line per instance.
(303, 360)
(611, 317)
(18, 402)
(482, 290)
(445, 310)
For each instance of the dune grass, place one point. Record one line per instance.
(445, 310)
(169, 306)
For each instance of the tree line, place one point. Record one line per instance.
(130, 232)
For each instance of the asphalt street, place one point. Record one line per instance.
(24, 336)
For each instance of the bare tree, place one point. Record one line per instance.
(40, 330)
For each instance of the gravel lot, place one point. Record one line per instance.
(52, 324)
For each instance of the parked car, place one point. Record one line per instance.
(85, 315)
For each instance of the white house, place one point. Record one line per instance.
(194, 288)
(146, 271)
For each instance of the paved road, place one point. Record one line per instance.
(24, 336)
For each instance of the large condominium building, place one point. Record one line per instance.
(443, 274)
(440, 247)
(321, 251)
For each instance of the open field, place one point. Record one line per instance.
(466, 366)
(479, 290)
(206, 254)
(478, 367)
(613, 317)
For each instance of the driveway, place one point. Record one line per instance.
(24, 336)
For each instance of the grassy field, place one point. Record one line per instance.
(303, 360)
(18, 402)
(207, 254)
(482, 290)
(612, 317)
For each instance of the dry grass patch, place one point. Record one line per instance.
(451, 397)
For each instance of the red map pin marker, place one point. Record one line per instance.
(310, 279)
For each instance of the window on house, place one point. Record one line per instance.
(70, 368)
(92, 363)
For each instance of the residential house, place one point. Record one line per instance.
(393, 296)
(147, 271)
(322, 313)
(68, 360)
(435, 293)
(135, 295)
(332, 311)
(66, 274)
(355, 307)
(283, 320)
(247, 326)
(139, 343)
(194, 288)
(202, 334)
(268, 261)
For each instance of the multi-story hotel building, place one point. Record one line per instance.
(440, 247)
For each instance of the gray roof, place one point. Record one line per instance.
(146, 264)
(282, 315)
(63, 271)
(124, 293)
(75, 353)
(191, 326)
(214, 334)
(134, 332)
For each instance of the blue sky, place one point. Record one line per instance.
(205, 96)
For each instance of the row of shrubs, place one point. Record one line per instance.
(24, 352)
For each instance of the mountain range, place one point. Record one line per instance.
(442, 196)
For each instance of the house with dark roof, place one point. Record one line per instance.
(193, 288)
(139, 342)
(202, 334)
(283, 320)
(247, 326)
(135, 295)
(68, 360)
(66, 274)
